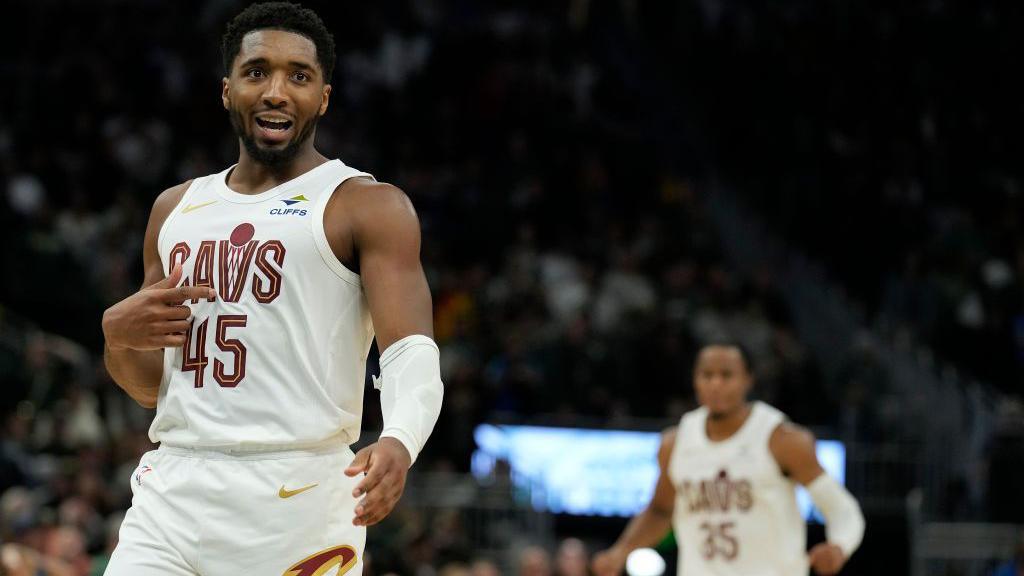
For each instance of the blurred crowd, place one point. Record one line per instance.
(883, 139)
(554, 152)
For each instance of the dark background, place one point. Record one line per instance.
(602, 187)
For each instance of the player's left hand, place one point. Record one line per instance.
(385, 463)
(826, 559)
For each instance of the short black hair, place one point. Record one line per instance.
(284, 16)
(729, 342)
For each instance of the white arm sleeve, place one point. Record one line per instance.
(410, 391)
(844, 522)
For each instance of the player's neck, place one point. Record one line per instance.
(722, 426)
(252, 177)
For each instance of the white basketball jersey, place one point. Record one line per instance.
(278, 358)
(735, 512)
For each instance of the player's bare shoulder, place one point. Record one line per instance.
(366, 200)
(792, 446)
(363, 212)
(789, 437)
(166, 201)
(162, 208)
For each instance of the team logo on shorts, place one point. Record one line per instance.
(343, 557)
(140, 472)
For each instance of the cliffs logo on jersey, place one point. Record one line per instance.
(318, 564)
(718, 494)
(289, 202)
(233, 261)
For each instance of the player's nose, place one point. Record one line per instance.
(275, 94)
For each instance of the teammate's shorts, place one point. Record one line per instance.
(208, 513)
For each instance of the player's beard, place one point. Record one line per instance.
(270, 157)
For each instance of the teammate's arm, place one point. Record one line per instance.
(793, 448)
(386, 242)
(647, 528)
(138, 328)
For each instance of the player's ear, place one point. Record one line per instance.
(224, 92)
(325, 99)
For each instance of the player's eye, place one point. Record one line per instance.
(254, 73)
(301, 76)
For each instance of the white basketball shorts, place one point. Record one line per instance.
(209, 513)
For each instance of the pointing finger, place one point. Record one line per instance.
(170, 281)
(182, 293)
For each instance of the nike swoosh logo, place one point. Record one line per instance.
(192, 207)
(289, 493)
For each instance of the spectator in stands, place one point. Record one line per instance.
(534, 561)
(484, 567)
(454, 569)
(571, 558)
(19, 560)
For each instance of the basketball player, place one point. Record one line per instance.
(728, 474)
(265, 285)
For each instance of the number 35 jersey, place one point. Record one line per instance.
(277, 360)
(735, 512)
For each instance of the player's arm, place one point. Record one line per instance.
(647, 528)
(138, 328)
(386, 240)
(793, 448)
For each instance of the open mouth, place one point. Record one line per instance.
(267, 124)
(273, 130)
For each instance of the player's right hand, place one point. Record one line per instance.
(609, 562)
(154, 317)
(826, 559)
